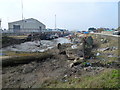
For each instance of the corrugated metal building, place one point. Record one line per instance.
(26, 25)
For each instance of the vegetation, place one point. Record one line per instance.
(106, 79)
(7, 41)
(19, 37)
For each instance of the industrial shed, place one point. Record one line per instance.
(26, 25)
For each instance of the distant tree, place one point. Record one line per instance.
(91, 29)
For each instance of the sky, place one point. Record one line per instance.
(70, 14)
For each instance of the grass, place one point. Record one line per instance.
(106, 79)
(19, 37)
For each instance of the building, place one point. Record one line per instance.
(26, 26)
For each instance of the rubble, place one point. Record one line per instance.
(93, 68)
(104, 40)
(74, 46)
(68, 61)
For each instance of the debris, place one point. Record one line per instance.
(104, 49)
(65, 80)
(111, 55)
(113, 48)
(88, 68)
(71, 65)
(81, 58)
(66, 75)
(104, 40)
(98, 54)
(88, 64)
(74, 46)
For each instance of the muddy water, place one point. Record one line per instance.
(36, 46)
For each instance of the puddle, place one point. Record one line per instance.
(36, 46)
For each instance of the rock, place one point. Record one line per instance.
(28, 68)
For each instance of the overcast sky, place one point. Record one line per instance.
(70, 14)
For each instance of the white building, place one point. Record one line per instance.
(26, 25)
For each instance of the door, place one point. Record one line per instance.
(16, 28)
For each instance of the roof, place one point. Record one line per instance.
(27, 20)
(86, 32)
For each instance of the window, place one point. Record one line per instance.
(40, 28)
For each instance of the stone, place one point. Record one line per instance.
(28, 69)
